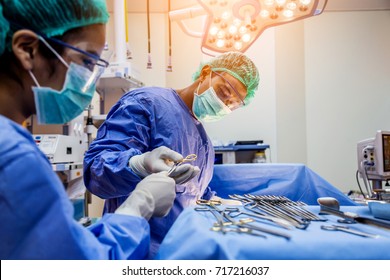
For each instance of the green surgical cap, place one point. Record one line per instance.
(49, 17)
(239, 66)
(4, 27)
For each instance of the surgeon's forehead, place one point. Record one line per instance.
(240, 87)
(89, 38)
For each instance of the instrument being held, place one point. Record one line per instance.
(188, 158)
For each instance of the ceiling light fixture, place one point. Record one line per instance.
(233, 25)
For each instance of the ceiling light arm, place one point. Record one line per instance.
(321, 7)
(187, 13)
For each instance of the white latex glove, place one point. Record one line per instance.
(162, 159)
(153, 196)
(184, 173)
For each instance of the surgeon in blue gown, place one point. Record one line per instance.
(153, 118)
(49, 65)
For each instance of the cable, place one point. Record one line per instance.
(149, 64)
(169, 66)
(365, 179)
(358, 183)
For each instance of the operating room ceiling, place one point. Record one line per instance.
(161, 6)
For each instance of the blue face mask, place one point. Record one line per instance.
(59, 107)
(208, 107)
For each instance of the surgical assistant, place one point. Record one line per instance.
(151, 117)
(55, 78)
(139, 122)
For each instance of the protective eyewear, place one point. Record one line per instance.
(96, 60)
(232, 101)
(95, 64)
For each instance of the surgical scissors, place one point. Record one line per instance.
(219, 214)
(224, 214)
(253, 227)
(277, 212)
(349, 230)
(213, 209)
(238, 230)
(188, 158)
(211, 203)
(234, 212)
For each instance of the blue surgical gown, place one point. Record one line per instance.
(142, 120)
(37, 217)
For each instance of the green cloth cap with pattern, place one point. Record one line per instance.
(239, 66)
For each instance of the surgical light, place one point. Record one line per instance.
(236, 24)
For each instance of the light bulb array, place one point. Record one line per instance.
(233, 25)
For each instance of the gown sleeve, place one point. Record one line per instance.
(37, 217)
(125, 133)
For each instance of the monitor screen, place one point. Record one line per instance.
(386, 152)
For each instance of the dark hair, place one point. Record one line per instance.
(8, 57)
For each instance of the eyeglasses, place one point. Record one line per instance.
(96, 59)
(90, 65)
(95, 64)
(233, 102)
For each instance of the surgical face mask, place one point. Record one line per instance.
(58, 107)
(208, 107)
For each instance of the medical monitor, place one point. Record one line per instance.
(374, 156)
(385, 152)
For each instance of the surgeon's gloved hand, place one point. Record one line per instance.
(153, 196)
(184, 173)
(162, 159)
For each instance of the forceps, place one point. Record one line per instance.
(253, 227)
(349, 230)
(234, 212)
(219, 214)
(211, 205)
(238, 230)
(188, 158)
(213, 209)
